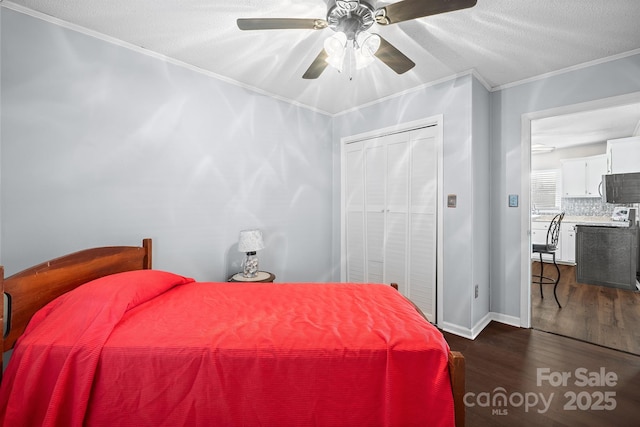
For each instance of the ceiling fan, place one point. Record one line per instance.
(350, 19)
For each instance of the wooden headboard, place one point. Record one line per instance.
(31, 289)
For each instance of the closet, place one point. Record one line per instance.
(390, 212)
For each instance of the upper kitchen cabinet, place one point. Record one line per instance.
(623, 155)
(581, 177)
(596, 167)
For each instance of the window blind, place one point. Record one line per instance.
(545, 189)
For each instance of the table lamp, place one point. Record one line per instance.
(250, 242)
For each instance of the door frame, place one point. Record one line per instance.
(436, 120)
(525, 185)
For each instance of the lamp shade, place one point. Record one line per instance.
(250, 241)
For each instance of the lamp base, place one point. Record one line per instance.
(250, 265)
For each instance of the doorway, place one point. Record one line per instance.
(600, 303)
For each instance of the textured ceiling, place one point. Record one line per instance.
(504, 41)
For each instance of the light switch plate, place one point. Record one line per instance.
(513, 200)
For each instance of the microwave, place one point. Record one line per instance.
(621, 188)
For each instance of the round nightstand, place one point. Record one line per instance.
(262, 277)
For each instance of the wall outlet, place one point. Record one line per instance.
(477, 291)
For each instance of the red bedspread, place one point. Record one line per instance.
(164, 351)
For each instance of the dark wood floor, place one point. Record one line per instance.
(597, 314)
(509, 358)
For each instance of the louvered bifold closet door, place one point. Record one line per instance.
(423, 220)
(391, 221)
(397, 210)
(375, 160)
(354, 206)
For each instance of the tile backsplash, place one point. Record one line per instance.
(587, 206)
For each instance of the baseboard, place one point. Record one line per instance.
(507, 320)
(472, 333)
(457, 330)
(482, 323)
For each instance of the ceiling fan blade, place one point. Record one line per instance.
(317, 66)
(393, 58)
(412, 9)
(281, 24)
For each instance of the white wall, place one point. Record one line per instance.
(102, 145)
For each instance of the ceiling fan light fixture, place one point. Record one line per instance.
(336, 62)
(367, 46)
(368, 43)
(351, 18)
(336, 44)
(362, 60)
(336, 47)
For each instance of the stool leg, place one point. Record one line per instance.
(541, 276)
(555, 286)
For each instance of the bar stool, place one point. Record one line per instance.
(550, 247)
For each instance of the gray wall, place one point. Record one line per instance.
(102, 145)
(618, 77)
(453, 99)
(481, 207)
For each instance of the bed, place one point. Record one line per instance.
(103, 339)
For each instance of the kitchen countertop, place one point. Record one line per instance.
(603, 221)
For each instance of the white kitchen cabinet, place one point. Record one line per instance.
(573, 178)
(539, 236)
(596, 167)
(539, 232)
(568, 238)
(623, 155)
(581, 177)
(566, 252)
